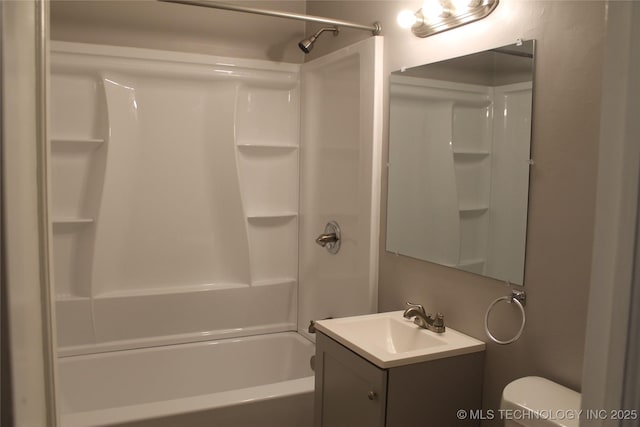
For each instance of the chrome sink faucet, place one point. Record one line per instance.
(424, 320)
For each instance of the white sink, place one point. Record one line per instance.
(389, 340)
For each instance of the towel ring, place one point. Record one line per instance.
(520, 299)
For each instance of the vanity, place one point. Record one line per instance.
(383, 370)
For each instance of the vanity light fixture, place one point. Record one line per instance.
(436, 16)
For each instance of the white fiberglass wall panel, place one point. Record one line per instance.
(509, 180)
(171, 212)
(416, 228)
(83, 115)
(170, 178)
(339, 180)
(437, 208)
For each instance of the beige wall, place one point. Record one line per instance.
(155, 25)
(562, 195)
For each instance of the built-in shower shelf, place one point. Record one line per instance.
(76, 142)
(473, 209)
(472, 265)
(275, 146)
(470, 153)
(475, 102)
(170, 290)
(68, 297)
(72, 221)
(472, 262)
(271, 215)
(274, 281)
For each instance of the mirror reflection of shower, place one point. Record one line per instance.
(459, 159)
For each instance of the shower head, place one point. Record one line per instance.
(307, 44)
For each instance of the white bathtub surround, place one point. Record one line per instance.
(179, 204)
(198, 384)
(175, 197)
(175, 193)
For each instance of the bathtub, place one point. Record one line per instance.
(259, 381)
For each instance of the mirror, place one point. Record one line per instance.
(459, 158)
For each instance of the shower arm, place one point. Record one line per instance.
(375, 29)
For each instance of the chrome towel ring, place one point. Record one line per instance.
(520, 299)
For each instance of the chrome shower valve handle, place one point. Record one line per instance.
(330, 239)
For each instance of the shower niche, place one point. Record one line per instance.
(267, 141)
(79, 138)
(174, 197)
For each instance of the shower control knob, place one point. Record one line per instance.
(372, 395)
(330, 239)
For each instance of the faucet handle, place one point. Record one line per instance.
(438, 324)
(417, 306)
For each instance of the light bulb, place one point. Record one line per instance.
(464, 5)
(432, 9)
(460, 5)
(406, 18)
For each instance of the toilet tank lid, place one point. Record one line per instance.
(538, 394)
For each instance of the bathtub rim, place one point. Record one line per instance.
(165, 408)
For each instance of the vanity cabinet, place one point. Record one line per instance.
(350, 391)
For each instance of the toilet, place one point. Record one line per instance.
(538, 402)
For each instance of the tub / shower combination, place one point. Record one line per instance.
(170, 310)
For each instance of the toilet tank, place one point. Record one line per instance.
(538, 402)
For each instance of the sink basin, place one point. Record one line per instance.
(388, 333)
(389, 340)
